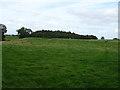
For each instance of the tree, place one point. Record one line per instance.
(3, 30)
(28, 31)
(102, 38)
(24, 32)
(115, 38)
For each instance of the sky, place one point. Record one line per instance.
(84, 17)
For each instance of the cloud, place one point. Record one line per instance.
(116, 31)
(52, 23)
(79, 16)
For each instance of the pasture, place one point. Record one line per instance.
(59, 63)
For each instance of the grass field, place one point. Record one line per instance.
(59, 63)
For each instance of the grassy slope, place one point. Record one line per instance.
(68, 63)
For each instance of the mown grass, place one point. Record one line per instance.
(60, 63)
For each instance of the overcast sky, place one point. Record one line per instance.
(96, 17)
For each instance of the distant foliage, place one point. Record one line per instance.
(3, 30)
(102, 38)
(115, 39)
(60, 34)
(24, 32)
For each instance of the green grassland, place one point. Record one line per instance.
(59, 63)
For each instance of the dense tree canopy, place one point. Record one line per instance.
(24, 32)
(3, 30)
(60, 34)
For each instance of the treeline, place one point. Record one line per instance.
(24, 32)
(60, 34)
